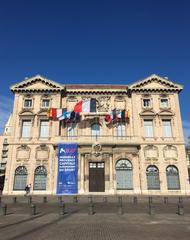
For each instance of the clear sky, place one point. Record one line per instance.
(94, 41)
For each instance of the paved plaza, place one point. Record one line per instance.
(106, 223)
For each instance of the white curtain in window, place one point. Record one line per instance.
(166, 127)
(44, 128)
(26, 128)
(120, 129)
(148, 128)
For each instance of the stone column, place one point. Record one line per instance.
(111, 187)
(82, 174)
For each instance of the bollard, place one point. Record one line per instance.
(14, 199)
(45, 199)
(91, 209)
(105, 200)
(180, 200)
(150, 200)
(119, 200)
(90, 199)
(180, 209)
(33, 209)
(165, 200)
(3, 210)
(151, 210)
(60, 199)
(135, 201)
(62, 208)
(75, 199)
(29, 199)
(120, 207)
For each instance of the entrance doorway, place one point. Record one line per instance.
(96, 177)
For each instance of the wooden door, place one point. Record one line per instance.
(96, 177)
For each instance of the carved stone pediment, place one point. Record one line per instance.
(37, 83)
(26, 112)
(155, 83)
(42, 112)
(148, 113)
(166, 113)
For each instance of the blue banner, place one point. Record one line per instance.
(67, 169)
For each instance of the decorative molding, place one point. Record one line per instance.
(151, 152)
(103, 103)
(170, 152)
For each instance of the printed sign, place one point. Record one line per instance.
(67, 169)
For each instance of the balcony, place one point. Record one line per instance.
(103, 139)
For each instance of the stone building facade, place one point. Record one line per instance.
(145, 154)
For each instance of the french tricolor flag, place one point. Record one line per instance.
(87, 105)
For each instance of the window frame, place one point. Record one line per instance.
(27, 107)
(40, 128)
(148, 120)
(42, 101)
(168, 103)
(143, 101)
(22, 125)
(164, 130)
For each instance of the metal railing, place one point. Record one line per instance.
(99, 138)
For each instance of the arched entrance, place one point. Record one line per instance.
(124, 174)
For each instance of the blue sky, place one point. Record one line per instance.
(94, 42)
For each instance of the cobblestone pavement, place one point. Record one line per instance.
(105, 224)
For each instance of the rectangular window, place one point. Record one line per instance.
(166, 128)
(146, 103)
(164, 103)
(44, 128)
(45, 103)
(28, 103)
(148, 128)
(26, 128)
(71, 130)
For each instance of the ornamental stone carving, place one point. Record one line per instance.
(119, 102)
(96, 149)
(42, 153)
(151, 152)
(170, 152)
(23, 153)
(103, 103)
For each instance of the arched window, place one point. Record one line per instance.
(172, 177)
(20, 178)
(95, 129)
(152, 175)
(124, 174)
(40, 176)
